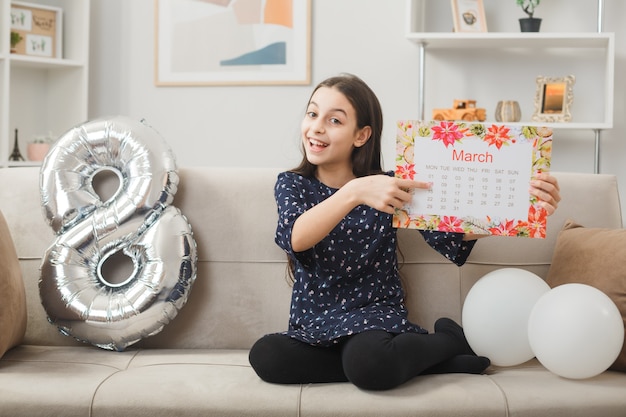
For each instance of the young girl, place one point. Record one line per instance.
(348, 321)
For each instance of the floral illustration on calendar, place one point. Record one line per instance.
(480, 175)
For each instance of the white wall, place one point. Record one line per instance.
(258, 125)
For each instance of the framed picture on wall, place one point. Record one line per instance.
(553, 99)
(224, 42)
(469, 16)
(36, 30)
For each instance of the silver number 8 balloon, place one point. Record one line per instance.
(136, 222)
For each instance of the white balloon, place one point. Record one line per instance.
(576, 331)
(496, 311)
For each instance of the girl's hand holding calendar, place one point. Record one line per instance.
(546, 188)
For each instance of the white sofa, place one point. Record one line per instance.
(198, 365)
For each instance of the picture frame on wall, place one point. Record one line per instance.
(36, 30)
(553, 99)
(220, 42)
(469, 16)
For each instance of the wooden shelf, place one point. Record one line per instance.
(23, 163)
(40, 95)
(24, 61)
(596, 105)
(513, 40)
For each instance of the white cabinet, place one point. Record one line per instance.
(43, 95)
(503, 64)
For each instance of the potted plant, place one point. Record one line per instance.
(38, 148)
(530, 23)
(15, 39)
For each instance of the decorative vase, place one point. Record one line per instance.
(508, 111)
(37, 151)
(530, 24)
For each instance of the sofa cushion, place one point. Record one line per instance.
(596, 257)
(13, 303)
(56, 380)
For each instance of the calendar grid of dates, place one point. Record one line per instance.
(460, 191)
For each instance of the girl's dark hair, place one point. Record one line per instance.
(366, 160)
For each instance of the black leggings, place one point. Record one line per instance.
(373, 360)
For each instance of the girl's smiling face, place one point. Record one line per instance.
(329, 130)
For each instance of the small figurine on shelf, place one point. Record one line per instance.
(461, 110)
(16, 154)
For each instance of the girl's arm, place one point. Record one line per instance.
(381, 192)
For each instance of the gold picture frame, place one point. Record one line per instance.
(553, 99)
(469, 16)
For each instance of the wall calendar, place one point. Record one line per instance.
(480, 175)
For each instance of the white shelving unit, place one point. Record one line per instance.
(43, 95)
(575, 45)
